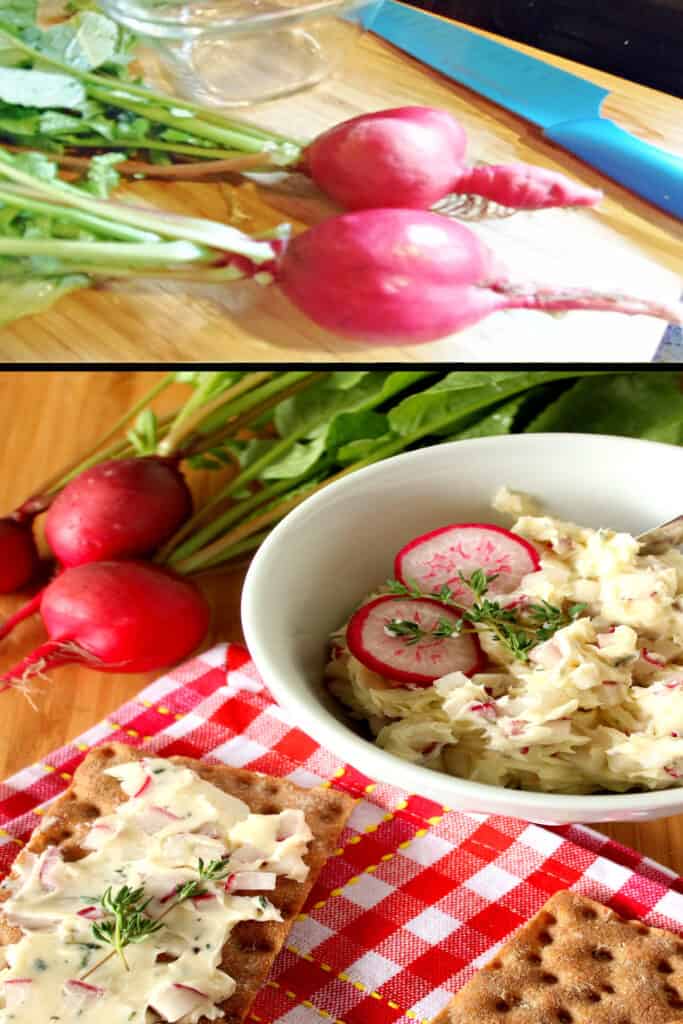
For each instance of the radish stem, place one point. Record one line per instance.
(114, 90)
(196, 409)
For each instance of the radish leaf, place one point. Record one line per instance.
(42, 89)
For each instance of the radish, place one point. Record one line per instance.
(253, 880)
(411, 276)
(406, 659)
(409, 155)
(16, 991)
(122, 508)
(178, 1000)
(117, 617)
(18, 554)
(415, 156)
(437, 558)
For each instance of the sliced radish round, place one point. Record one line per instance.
(436, 559)
(398, 657)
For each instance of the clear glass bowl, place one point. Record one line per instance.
(237, 52)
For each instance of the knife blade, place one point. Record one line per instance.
(565, 106)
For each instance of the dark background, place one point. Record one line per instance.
(641, 40)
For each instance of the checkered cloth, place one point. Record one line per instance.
(417, 896)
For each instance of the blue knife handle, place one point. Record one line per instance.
(647, 170)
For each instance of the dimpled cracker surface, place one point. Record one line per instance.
(577, 962)
(253, 945)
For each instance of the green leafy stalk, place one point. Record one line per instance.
(187, 118)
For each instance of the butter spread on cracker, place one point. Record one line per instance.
(154, 840)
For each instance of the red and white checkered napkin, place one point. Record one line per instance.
(415, 899)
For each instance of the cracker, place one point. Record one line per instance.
(577, 962)
(253, 945)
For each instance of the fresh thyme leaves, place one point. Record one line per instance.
(517, 629)
(212, 871)
(412, 632)
(128, 922)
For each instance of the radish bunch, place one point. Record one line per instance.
(393, 272)
(103, 608)
(415, 637)
(415, 156)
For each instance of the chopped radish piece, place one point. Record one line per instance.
(291, 821)
(32, 922)
(154, 819)
(653, 658)
(177, 1000)
(202, 897)
(404, 659)
(78, 994)
(201, 845)
(253, 880)
(437, 558)
(98, 835)
(16, 992)
(92, 913)
(144, 787)
(247, 854)
(49, 865)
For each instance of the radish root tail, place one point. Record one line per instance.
(49, 655)
(31, 607)
(557, 300)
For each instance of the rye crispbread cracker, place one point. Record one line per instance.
(252, 945)
(577, 962)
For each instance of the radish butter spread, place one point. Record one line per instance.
(134, 931)
(545, 657)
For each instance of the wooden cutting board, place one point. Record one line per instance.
(625, 245)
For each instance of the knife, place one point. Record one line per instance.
(564, 106)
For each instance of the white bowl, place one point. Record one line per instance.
(339, 544)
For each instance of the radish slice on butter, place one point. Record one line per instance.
(404, 659)
(436, 559)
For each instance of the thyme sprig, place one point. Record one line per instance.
(519, 630)
(128, 922)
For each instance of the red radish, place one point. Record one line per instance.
(437, 558)
(415, 156)
(409, 155)
(18, 554)
(409, 276)
(402, 660)
(118, 509)
(118, 617)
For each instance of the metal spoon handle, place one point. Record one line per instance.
(668, 535)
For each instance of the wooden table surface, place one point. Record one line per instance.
(627, 243)
(46, 420)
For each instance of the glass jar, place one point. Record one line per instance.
(231, 53)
